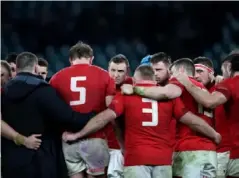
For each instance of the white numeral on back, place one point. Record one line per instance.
(80, 90)
(153, 110)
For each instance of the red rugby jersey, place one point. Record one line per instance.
(221, 125)
(230, 88)
(85, 88)
(187, 139)
(111, 137)
(147, 128)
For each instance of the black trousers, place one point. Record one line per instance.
(48, 162)
(42, 165)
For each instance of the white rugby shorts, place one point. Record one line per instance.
(91, 154)
(233, 168)
(195, 164)
(222, 164)
(116, 164)
(148, 172)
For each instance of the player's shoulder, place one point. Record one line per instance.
(61, 72)
(231, 82)
(119, 97)
(128, 80)
(100, 73)
(174, 81)
(98, 69)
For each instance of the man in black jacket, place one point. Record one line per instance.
(31, 106)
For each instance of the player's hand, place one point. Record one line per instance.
(33, 142)
(217, 138)
(218, 79)
(127, 89)
(68, 136)
(182, 77)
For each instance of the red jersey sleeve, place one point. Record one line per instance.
(128, 80)
(224, 88)
(111, 88)
(176, 82)
(117, 104)
(179, 108)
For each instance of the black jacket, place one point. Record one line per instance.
(31, 106)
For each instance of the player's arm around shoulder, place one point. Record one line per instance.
(199, 125)
(183, 115)
(169, 91)
(221, 95)
(202, 96)
(114, 110)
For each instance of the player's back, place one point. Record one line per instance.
(84, 87)
(147, 131)
(187, 139)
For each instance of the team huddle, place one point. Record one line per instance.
(168, 120)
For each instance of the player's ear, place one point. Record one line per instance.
(128, 71)
(228, 68)
(169, 72)
(91, 60)
(70, 60)
(36, 69)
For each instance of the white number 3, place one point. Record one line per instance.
(80, 90)
(153, 110)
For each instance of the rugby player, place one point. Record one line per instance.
(189, 144)
(86, 88)
(118, 70)
(226, 93)
(42, 68)
(148, 152)
(204, 73)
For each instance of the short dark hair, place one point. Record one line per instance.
(229, 56)
(119, 58)
(80, 50)
(233, 58)
(7, 67)
(160, 57)
(187, 63)
(26, 60)
(11, 58)
(42, 62)
(235, 63)
(146, 71)
(204, 61)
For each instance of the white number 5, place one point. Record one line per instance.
(80, 90)
(153, 110)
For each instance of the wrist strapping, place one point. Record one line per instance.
(139, 91)
(19, 140)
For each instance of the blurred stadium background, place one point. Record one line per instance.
(135, 29)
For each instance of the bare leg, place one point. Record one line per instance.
(78, 175)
